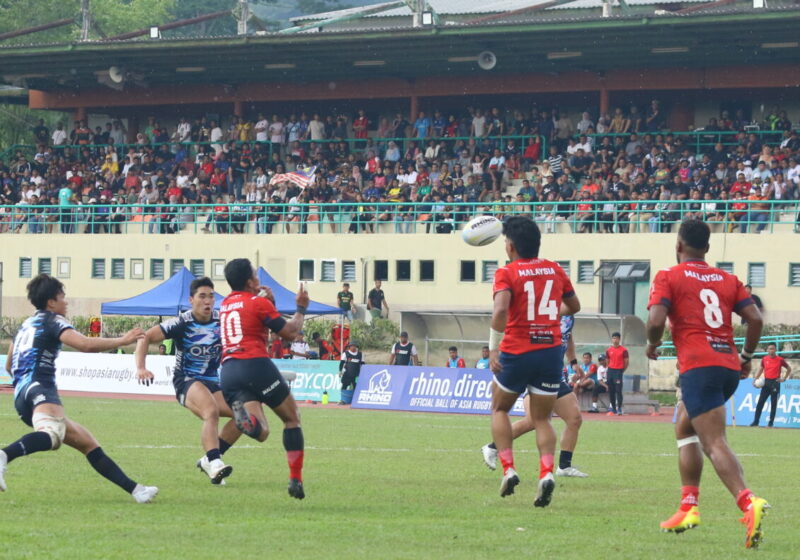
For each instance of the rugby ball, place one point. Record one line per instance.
(758, 383)
(481, 230)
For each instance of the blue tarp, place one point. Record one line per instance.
(168, 298)
(284, 299)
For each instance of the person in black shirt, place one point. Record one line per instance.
(376, 301)
(404, 353)
(350, 367)
(345, 301)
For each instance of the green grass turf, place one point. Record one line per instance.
(379, 485)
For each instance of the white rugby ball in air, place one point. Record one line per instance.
(482, 230)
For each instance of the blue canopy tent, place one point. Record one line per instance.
(167, 299)
(284, 298)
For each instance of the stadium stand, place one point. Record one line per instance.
(619, 173)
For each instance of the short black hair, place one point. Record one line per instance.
(772, 344)
(202, 282)
(525, 235)
(587, 354)
(452, 349)
(315, 336)
(613, 334)
(237, 273)
(485, 348)
(695, 233)
(42, 289)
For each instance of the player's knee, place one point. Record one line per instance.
(575, 421)
(54, 426)
(262, 437)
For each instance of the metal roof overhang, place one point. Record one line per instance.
(712, 39)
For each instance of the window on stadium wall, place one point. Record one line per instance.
(624, 287)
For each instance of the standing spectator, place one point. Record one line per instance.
(350, 367)
(300, 349)
(617, 364)
(404, 352)
(422, 126)
(59, 136)
(756, 300)
(345, 301)
(41, 133)
(262, 128)
(771, 368)
(455, 361)
(602, 381)
(483, 362)
(361, 125)
(376, 301)
(655, 119)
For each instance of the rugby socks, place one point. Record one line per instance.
(223, 446)
(565, 459)
(27, 444)
(743, 499)
(506, 459)
(213, 454)
(546, 465)
(107, 468)
(690, 497)
(293, 444)
(492, 446)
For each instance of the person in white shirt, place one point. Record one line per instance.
(478, 124)
(316, 129)
(602, 381)
(216, 136)
(276, 130)
(300, 349)
(585, 123)
(59, 135)
(261, 128)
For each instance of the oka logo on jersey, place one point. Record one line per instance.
(377, 391)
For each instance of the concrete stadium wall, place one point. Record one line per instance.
(71, 259)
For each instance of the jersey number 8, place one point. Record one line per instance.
(711, 311)
(231, 327)
(547, 306)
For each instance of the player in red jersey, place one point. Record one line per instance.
(249, 378)
(771, 368)
(698, 299)
(525, 347)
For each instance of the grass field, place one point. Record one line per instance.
(379, 485)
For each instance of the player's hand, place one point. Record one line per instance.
(302, 296)
(145, 377)
(651, 351)
(746, 368)
(266, 292)
(494, 362)
(132, 336)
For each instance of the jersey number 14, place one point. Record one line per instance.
(547, 306)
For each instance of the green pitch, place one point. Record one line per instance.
(379, 485)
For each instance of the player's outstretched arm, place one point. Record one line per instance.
(656, 322)
(294, 325)
(755, 324)
(153, 334)
(570, 305)
(81, 343)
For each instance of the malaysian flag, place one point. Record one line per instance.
(302, 177)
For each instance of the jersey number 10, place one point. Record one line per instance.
(231, 328)
(547, 306)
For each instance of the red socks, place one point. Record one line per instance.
(506, 459)
(690, 497)
(743, 499)
(295, 460)
(545, 465)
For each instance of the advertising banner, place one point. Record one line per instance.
(746, 398)
(426, 389)
(116, 373)
(313, 377)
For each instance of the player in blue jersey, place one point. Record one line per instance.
(566, 407)
(198, 349)
(31, 363)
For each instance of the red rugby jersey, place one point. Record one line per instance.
(700, 299)
(772, 366)
(537, 288)
(245, 321)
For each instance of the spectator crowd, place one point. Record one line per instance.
(616, 173)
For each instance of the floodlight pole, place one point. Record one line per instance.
(86, 20)
(243, 17)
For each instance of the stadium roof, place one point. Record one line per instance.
(477, 7)
(741, 37)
